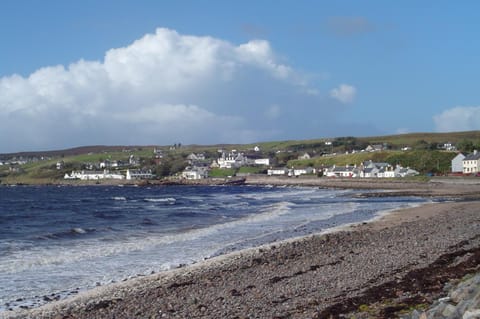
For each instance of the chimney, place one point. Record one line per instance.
(475, 152)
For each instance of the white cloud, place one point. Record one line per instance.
(344, 93)
(460, 118)
(161, 88)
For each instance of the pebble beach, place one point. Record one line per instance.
(396, 266)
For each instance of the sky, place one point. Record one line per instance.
(145, 72)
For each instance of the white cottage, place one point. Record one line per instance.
(457, 163)
(195, 173)
(471, 163)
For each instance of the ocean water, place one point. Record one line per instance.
(56, 241)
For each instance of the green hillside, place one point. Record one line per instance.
(424, 161)
(424, 155)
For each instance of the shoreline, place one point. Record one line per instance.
(264, 281)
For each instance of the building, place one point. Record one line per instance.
(139, 174)
(93, 175)
(374, 148)
(277, 172)
(60, 165)
(471, 163)
(305, 156)
(262, 161)
(341, 171)
(457, 163)
(195, 173)
(231, 160)
(301, 171)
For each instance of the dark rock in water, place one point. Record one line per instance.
(46, 298)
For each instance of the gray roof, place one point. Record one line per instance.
(472, 157)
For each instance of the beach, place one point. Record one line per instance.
(401, 259)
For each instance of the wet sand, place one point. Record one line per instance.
(402, 258)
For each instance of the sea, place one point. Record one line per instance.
(56, 241)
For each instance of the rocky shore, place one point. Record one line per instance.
(393, 267)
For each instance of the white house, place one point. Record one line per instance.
(93, 175)
(262, 161)
(301, 171)
(405, 171)
(374, 148)
(457, 163)
(277, 172)
(471, 163)
(369, 172)
(139, 174)
(386, 172)
(196, 157)
(304, 156)
(342, 171)
(232, 160)
(194, 173)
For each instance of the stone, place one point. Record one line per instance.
(475, 302)
(471, 314)
(449, 311)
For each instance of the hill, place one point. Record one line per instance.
(424, 155)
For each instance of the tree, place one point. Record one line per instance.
(465, 146)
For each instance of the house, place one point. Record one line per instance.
(196, 157)
(232, 160)
(133, 161)
(374, 148)
(139, 174)
(342, 171)
(457, 163)
(301, 171)
(93, 175)
(195, 173)
(60, 165)
(157, 152)
(386, 172)
(262, 161)
(371, 169)
(369, 172)
(448, 147)
(471, 163)
(305, 156)
(277, 172)
(405, 171)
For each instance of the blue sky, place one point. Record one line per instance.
(160, 72)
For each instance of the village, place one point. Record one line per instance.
(199, 166)
(342, 157)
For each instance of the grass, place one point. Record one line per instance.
(222, 172)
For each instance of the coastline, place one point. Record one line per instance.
(308, 277)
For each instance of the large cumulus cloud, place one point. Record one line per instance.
(163, 88)
(460, 118)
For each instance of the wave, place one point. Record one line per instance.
(72, 233)
(168, 200)
(122, 198)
